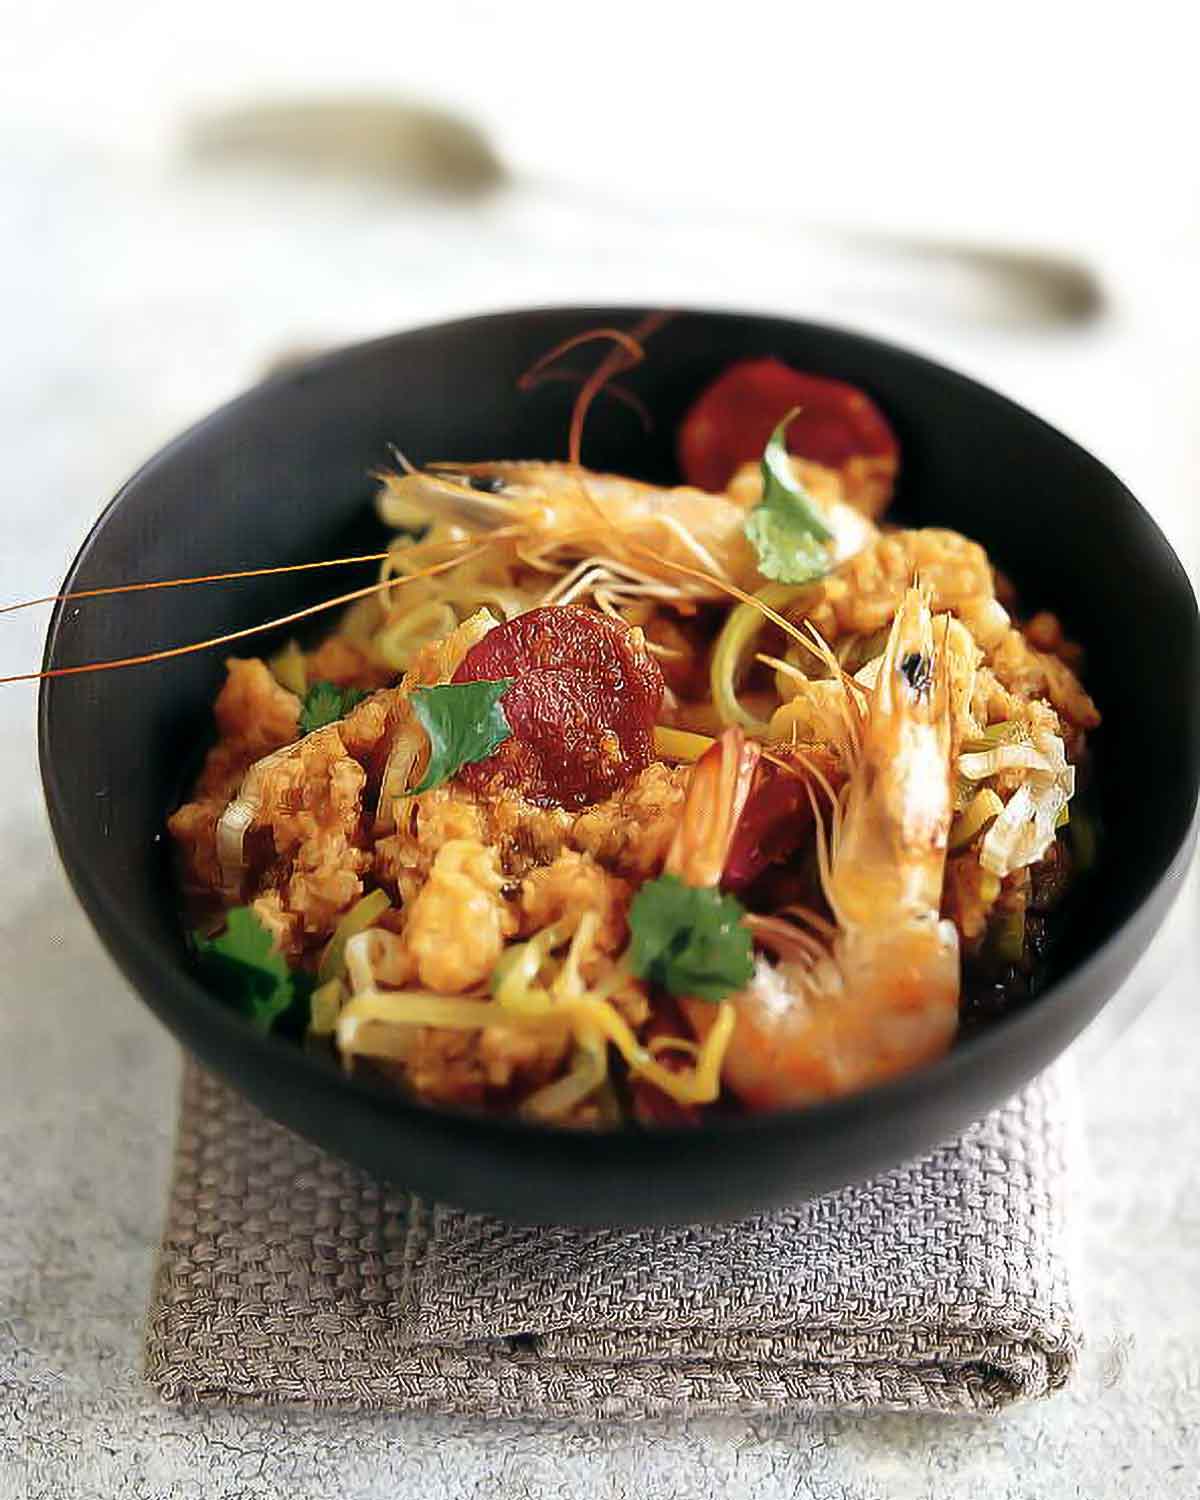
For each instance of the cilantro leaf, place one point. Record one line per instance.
(465, 723)
(244, 966)
(326, 703)
(689, 940)
(785, 527)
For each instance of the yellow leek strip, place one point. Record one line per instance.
(590, 1066)
(569, 981)
(1005, 732)
(360, 962)
(362, 914)
(738, 633)
(398, 1011)
(679, 744)
(596, 1022)
(700, 1086)
(428, 1008)
(361, 621)
(514, 979)
(395, 643)
(290, 670)
(979, 765)
(985, 806)
(587, 1073)
(326, 1007)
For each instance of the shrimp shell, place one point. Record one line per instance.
(560, 514)
(879, 996)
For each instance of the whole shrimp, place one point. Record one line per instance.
(560, 512)
(876, 993)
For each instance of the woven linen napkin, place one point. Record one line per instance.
(287, 1276)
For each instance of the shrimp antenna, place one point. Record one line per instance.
(401, 458)
(851, 712)
(714, 581)
(804, 914)
(239, 635)
(942, 666)
(619, 392)
(810, 768)
(179, 583)
(824, 870)
(788, 940)
(627, 353)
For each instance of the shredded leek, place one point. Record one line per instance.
(402, 1009)
(479, 595)
(325, 1007)
(1023, 832)
(409, 746)
(532, 992)
(585, 1015)
(985, 806)
(395, 644)
(738, 635)
(1007, 937)
(361, 620)
(376, 956)
(1006, 732)
(979, 765)
(679, 744)
(585, 1075)
(519, 967)
(289, 669)
(362, 914)
(699, 1086)
(239, 817)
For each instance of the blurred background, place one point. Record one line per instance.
(187, 194)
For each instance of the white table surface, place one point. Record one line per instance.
(143, 289)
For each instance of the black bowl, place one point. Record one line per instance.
(282, 475)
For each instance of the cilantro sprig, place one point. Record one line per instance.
(785, 528)
(326, 703)
(465, 723)
(689, 940)
(246, 969)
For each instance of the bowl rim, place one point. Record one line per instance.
(154, 972)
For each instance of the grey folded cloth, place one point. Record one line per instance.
(287, 1276)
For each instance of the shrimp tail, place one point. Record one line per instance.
(717, 794)
(878, 995)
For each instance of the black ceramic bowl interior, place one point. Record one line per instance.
(282, 475)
